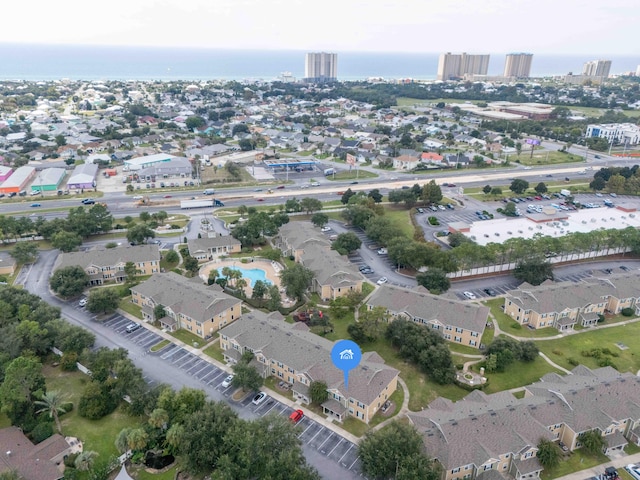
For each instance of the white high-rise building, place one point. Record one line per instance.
(518, 65)
(457, 65)
(321, 67)
(597, 68)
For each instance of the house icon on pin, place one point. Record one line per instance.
(346, 354)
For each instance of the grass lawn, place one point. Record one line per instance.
(367, 288)
(97, 435)
(631, 449)
(140, 473)
(575, 462)
(409, 102)
(355, 427)
(400, 217)
(547, 157)
(517, 375)
(160, 345)
(352, 175)
(4, 421)
(188, 337)
(131, 308)
(457, 348)
(626, 361)
(487, 336)
(168, 265)
(508, 325)
(215, 352)
(339, 327)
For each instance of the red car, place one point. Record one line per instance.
(167, 196)
(537, 198)
(296, 416)
(280, 187)
(340, 193)
(260, 199)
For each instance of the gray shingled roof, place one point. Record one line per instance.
(204, 244)
(32, 462)
(557, 297)
(297, 234)
(308, 354)
(106, 257)
(329, 267)
(182, 295)
(421, 304)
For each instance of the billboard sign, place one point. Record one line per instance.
(351, 159)
(532, 141)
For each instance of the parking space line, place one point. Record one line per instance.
(195, 365)
(314, 437)
(337, 444)
(320, 447)
(354, 462)
(275, 404)
(203, 379)
(175, 349)
(345, 454)
(305, 430)
(184, 354)
(206, 366)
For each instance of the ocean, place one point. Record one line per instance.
(53, 62)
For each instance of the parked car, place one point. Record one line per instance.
(326, 228)
(383, 251)
(132, 327)
(280, 187)
(137, 197)
(624, 268)
(469, 295)
(490, 291)
(363, 267)
(259, 398)
(315, 184)
(420, 210)
(382, 281)
(88, 201)
(450, 206)
(367, 271)
(82, 302)
(36, 204)
(227, 381)
(296, 416)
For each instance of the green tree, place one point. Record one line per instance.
(592, 441)
(159, 312)
(139, 233)
(137, 439)
(25, 252)
(246, 375)
(172, 256)
(318, 391)
(486, 189)
(259, 290)
(320, 219)
(548, 453)
(85, 460)
(52, 403)
(69, 281)
(296, 279)
(60, 140)
(347, 195)
(496, 191)
(533, 271)
(121, 442)
(23, 384)
(213, 275)
(66, 241)
(191, 265)
(130, 271)
(541, 188)
(103, 300)
(375, 195)
(519, 186)
(195, 122)
(431, 192)
(274, 301)
(346, 243)
(510, 209)
(34, 337)
(435, 280)
(394, 448)
(310, 205)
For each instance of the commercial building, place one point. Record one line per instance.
(147, 161)
(321, 67)
(187, 302)
(518, 65)
(496, 436)
(623, 133)
(107, 264)
(458, 322)
(291, 353)
(563, 305)
(176, 167)
(18, 181)
(5, 172)
(48, 180)
(83, 176)
(597, 68)
(456, 65)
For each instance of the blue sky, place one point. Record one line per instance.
(475, 26)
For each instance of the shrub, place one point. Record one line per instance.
(70, 460)
(627, 312)
(573, 362)
(111, 245)
(42, 432)
(434, 221)
(560, 353)
(96, 401)
(68, 362)
(175, 227)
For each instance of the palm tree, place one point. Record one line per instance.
(159, 418)
(85, 460)
(51, 403)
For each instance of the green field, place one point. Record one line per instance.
(509, 325)
(545, 158)
(571, 347)
(518, 375)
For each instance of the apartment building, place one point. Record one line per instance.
(457, 65)
(518, 65)
(333, 274)
(206, 249)
(458, 322)
(291, 353)
(563, 305)
(321, 67)
(187, 302)
(597, 68)
(107, 264)
(483, 435)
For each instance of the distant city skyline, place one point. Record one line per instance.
(493, 26)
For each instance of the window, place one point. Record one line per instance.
(458, 339)
(458, 330)
(448, 328)
(472, 343)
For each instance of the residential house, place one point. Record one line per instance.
(209, 248)
(188, 303)
(494, 434)
(32, 462)
(458, 322)
(291, 353)
(107, 264)
(334, 275)
(563, 305)
(432, 157)
(405, 162)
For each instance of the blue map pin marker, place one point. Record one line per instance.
(346, 355)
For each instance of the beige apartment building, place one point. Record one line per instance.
(496, 436)
(105, 265)
(563, 305)
(188, 303)
(333, 274)
(210, 248)
(458, 322)
(291, 353)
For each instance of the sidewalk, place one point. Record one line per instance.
(619, 463)
(282, 399)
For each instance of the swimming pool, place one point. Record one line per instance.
(252, 274)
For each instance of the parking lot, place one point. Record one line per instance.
(312, 434)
